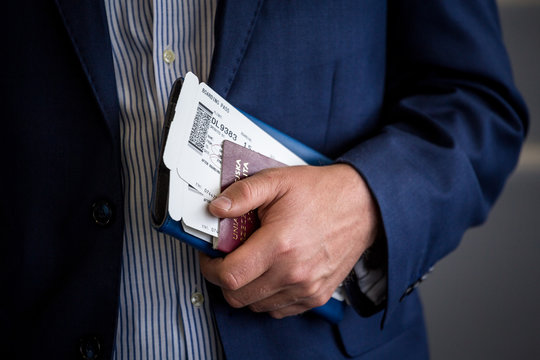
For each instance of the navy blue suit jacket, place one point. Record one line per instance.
(416, 95)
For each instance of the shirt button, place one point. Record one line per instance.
(90, 348)
(197, 299)
(102, 212)
(168, 56)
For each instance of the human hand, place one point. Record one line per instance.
(315, 224)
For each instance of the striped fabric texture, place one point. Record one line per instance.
(164, 311)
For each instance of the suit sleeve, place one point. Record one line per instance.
(453, 128)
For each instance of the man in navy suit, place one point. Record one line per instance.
(415, 101)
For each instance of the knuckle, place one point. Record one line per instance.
(296, 275)
(266, 181)
(233, 300)
(228, 281)
(256, 308)
(246, 189)
(317, 301)
(277, 315)
(282, 245)
(311, 290)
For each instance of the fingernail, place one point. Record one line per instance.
(222, 202)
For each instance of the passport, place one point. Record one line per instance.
(237, 163)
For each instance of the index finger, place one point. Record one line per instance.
(245, 264)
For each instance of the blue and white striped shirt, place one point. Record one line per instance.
(162, 310)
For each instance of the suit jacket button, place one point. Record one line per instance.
(102, 212)
(89, 348)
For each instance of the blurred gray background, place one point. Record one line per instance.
(483, 300)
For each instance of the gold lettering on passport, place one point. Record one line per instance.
(239, 228)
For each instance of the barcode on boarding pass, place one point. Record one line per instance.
(199, 131)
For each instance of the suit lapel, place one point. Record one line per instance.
(235, 20)
(86, 23)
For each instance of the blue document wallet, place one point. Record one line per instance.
(163, 222)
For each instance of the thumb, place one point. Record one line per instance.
(246, 195)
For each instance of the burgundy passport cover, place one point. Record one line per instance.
(237, 163)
